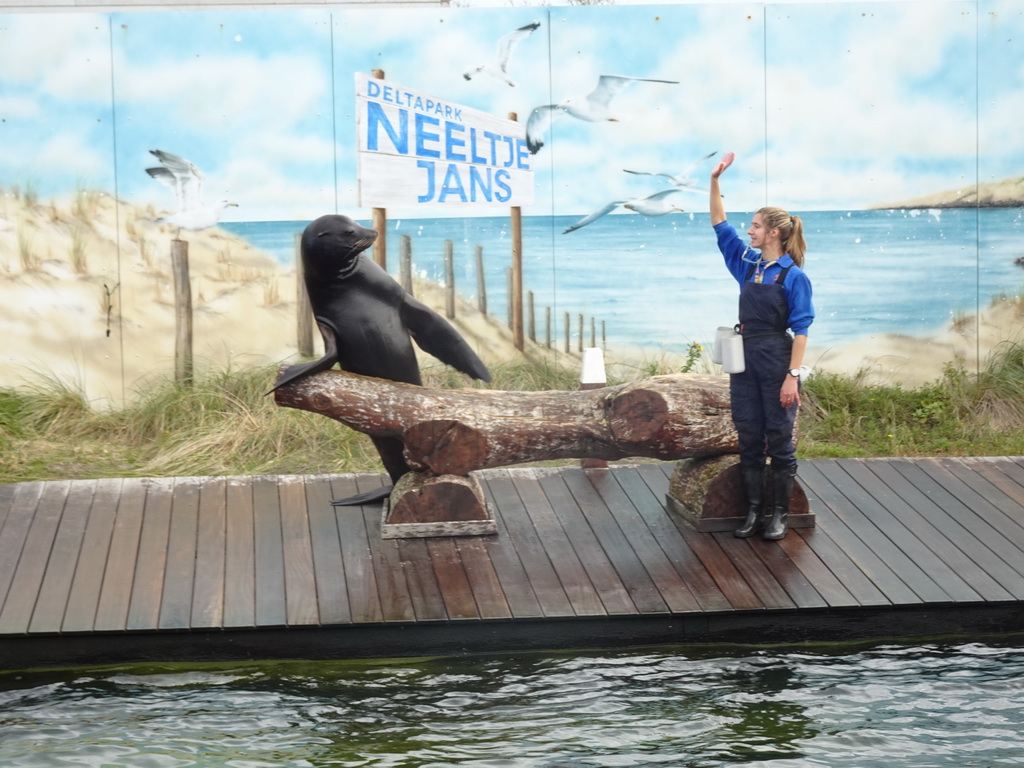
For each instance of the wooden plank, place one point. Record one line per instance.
(179, 574)
(427, 601)
(483, 577)
(714, 561)
(1007, 476)
(329, 571)
(148, 581)
(573, 576)
(16, 527)
(393, 590)
(271, 607)
(847, 495)
(831, 556)
(875, 569)
(395, 600)
(946, 534)
(647, 496)
(299, 579)
(33, 558)
(601, 572)
(357, 557)
(760, 579)
(605, 534)
(84, 596)
(207, 610)
(452, 579)
(514, 524)
(803, 592)
(513, 580)
(119, 574)
(914, 535)
(671, 587)
(52, 601)
(974, 486)
(829, 568)
(239, 555)
(986, 524)
(7, 493)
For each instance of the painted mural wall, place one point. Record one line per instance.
(891, 128)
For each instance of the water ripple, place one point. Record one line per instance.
(926, 706)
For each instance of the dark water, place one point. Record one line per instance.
(659, 284)
(887, 706)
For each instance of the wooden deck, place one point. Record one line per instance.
(263, 567)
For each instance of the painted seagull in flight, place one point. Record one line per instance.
(683, 179)
(187, 182)
(593, 108)
(652, 205)
(506, 45)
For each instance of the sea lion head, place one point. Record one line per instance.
(331, 245)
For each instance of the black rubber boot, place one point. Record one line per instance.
(782, 480)
(753, 482)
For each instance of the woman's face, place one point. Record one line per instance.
(760, 235)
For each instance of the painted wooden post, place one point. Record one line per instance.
(405, 264)
(516, 295)
(182, 312)
(481, 284)
(531, 321)
(303, 309)
(508, 292)
(379, 216)
(449, 281)
(567, 333)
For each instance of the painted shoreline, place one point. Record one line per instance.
(88, 301)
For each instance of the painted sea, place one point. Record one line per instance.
(658, 284)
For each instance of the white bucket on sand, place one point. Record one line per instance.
(592, 372)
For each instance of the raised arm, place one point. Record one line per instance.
(717, 207)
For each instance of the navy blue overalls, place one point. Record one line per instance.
(765, 427)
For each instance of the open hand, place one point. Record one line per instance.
(727, 159)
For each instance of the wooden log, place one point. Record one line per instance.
(457, 431)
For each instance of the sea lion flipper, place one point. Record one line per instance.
(437, 337)
(301, 370)
(363, 498)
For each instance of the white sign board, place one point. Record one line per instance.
(419, 150)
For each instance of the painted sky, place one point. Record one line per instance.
(828, 106)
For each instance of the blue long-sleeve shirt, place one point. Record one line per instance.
(797, 286)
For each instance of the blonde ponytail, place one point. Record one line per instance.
(791, 231)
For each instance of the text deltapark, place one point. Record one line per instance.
(404, 98)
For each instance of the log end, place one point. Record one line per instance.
(637, 415)
(445, 447)
(419, 498)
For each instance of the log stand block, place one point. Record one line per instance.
(424, 505)
(709, 494)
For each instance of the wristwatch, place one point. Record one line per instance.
(794, 372)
